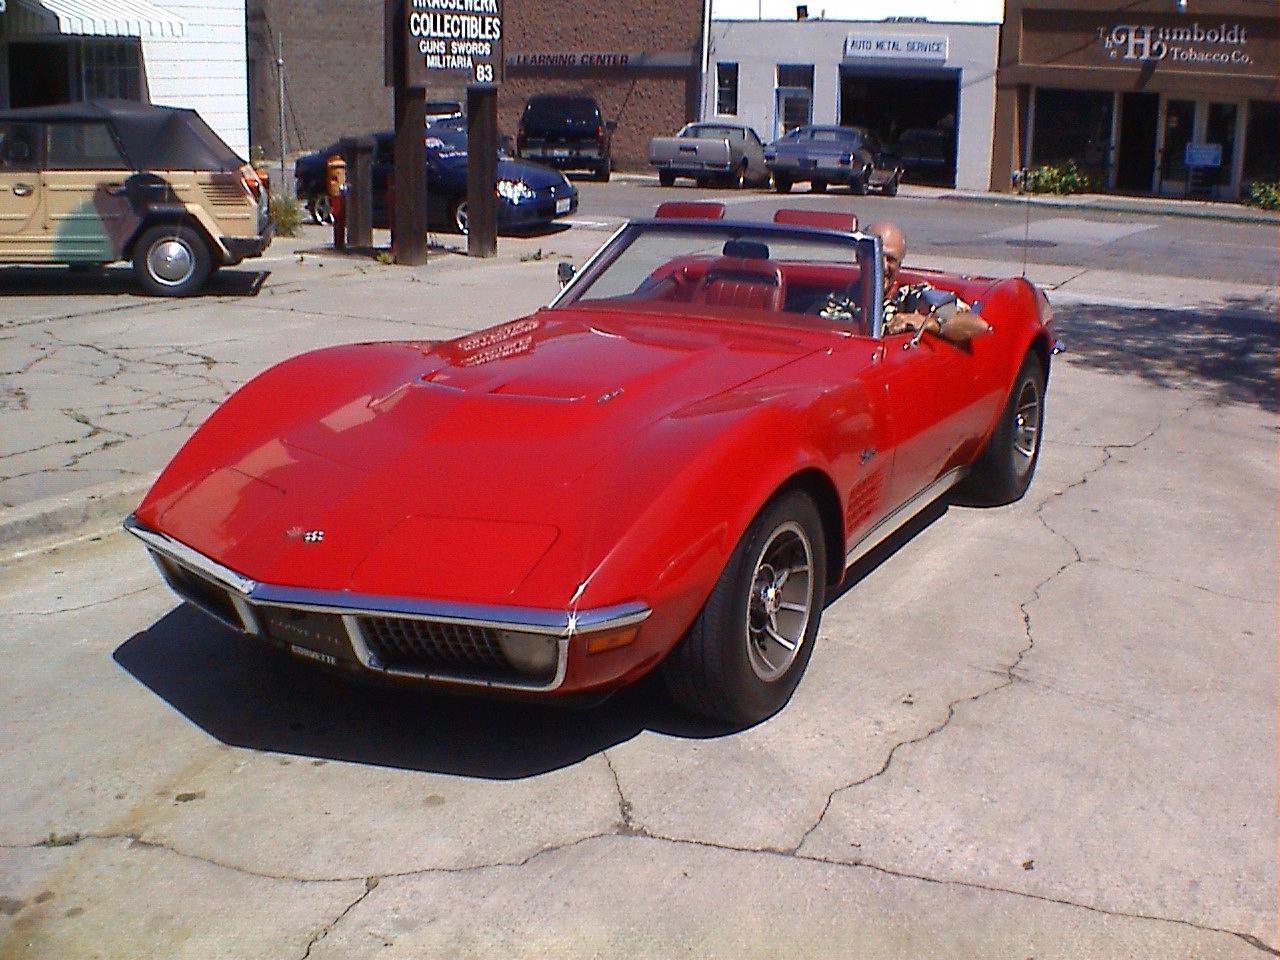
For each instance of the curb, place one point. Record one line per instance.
(44, 524)
(1155, 208)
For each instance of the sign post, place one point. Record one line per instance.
(444, 42)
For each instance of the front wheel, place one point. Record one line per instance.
(1003, 471)
(603, 172)
(739, 180)
(744, 655)
(858, 185)
(781, 184)
(666, 178)
(458, 215)
(171, 260)
(321, 208)
(817, 186)
(891, 185)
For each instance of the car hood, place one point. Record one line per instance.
(536, 176)
(450, 469)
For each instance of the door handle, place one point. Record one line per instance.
(21, 190)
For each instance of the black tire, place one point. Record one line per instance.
(781, 184)
(817, 186)
(859, 185)
(1003, 471)
(739, 180)
(725, 667)
(891, 185)
(702, 182)
(666, 178)
(602, 172)
(171, 260)
(458, 215)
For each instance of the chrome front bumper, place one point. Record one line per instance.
(251, 607)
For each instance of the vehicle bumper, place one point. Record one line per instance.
(694, 169)
(832, 173)
(536, 211)
(245, 248)
(347, 631)
(564, 158)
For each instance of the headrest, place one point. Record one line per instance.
(689, 210)
(822, 219)
(746, 249)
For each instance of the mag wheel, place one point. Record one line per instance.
(171, 260)
(745, 653)
(458, 215)
(1003, 471)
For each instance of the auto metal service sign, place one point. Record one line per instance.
(452, 40)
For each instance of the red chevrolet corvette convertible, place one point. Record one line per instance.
(667, 468)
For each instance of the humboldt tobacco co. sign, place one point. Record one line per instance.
(1222, 43)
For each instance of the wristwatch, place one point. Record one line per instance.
(939, 319)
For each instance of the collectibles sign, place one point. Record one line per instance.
(452, 40)
(1241, 47)
(880, 46)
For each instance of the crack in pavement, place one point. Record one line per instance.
(83, 606)
(370, 884)
(372, 881)
(1178, 580)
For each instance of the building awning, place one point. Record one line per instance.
(91, 18)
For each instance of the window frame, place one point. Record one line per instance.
(121, 162)
(721, 84)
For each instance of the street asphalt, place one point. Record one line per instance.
(1044, 730)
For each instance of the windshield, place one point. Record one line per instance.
(757, 273)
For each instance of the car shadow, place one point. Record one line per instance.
(117, 281)
(1227, 350)
(246, 695)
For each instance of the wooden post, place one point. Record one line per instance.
(409, 216)
(482, 170)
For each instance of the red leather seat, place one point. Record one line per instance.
(745, 283)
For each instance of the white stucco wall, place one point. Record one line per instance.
(758, 48)
(943, 11)
(205, 69)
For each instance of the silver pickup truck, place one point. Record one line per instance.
(707, 152)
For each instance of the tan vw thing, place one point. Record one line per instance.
(89, 183)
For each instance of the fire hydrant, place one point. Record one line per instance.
(335, 185)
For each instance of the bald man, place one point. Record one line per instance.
(902, 312)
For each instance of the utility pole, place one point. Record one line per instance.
(280, 97)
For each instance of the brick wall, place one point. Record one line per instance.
(333, 67)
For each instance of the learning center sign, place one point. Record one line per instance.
(452, 40)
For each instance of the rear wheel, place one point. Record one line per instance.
(859, 184)
(602, 172)
(817, 186)
(739, 180)
(171, 260)
(745, 653)
(781, 184)
(891, 185)
(1003, 471)
(666, 178)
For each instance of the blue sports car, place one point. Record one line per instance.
(529, 195)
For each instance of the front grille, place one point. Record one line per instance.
(428, 646)
(205, 594)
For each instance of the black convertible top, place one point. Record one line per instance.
(152, 137)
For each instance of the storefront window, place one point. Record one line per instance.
(1260, 156)
(1073, 125)
(111, 70)
(794, 95)
(727, 89)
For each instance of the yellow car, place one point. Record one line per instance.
(90, 183)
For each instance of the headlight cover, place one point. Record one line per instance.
(514, 190)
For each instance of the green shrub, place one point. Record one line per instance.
(1056, 178)
(1263, 193)
(284, 214)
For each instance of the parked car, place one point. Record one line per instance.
(529, 195)
(725, 152)
(565, 132)
(852, 156)
(926, 153)
(89, 183)
(669, 468)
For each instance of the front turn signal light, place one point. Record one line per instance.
(610, 639)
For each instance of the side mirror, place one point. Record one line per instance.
(564, 272)
(611, 125)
